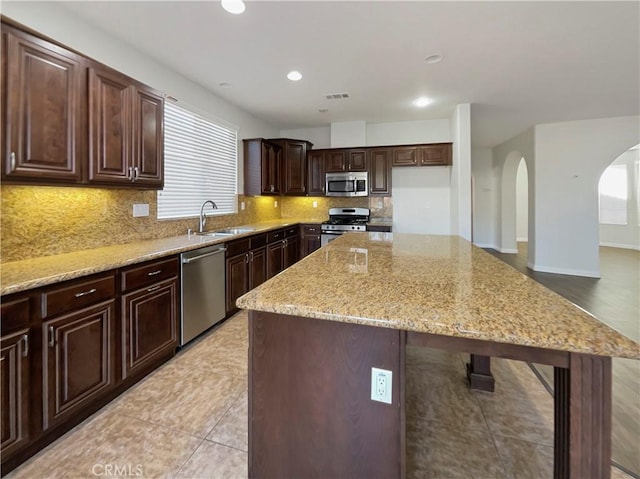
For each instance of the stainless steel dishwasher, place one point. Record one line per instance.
(203, 290)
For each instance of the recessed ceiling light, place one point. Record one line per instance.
(294, 75)
(433, 59)
(233, 6)
(422, 101)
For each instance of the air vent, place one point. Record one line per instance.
(336, 96)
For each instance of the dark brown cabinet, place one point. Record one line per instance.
(435, 154)
(310, 239)
(44, 130)
(379, 172)
(15, 346)
(282, 249)
(246, 267)
(71, 120)
(78, 360)
(346, 160)
(315, 173)
(262, 166)
(149, 314)
(125, 130)
(291, 246)
(294, 165)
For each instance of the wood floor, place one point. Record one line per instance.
(615, 300)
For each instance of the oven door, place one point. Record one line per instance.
(328, 236)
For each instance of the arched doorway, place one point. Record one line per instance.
(514, 204)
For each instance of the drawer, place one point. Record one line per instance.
(275, 236)
(72, 295)
(258, 241)
(311, 229)
(148, 273)
(379, 228)
(290, 231)
(238, 247)
(15, 314)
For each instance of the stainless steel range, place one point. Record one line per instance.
(343, 220)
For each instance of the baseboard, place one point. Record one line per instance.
(567, 271)
(508, 250)
(486, 245)
(621, 245)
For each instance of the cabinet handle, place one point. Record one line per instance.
(84, 293)
(153, 273)
(52, 337)
(303, 189)
(12, 160)
(246, 258)
(130, 173)
(251, 256)
(136, 173)
(155, 288)
(25, 340)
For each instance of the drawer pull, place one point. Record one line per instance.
(52, 337)
(12, 159)
(25, 340)
(153, 273)
(85, 293)
(151, 290)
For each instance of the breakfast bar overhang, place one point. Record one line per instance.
(317, 329)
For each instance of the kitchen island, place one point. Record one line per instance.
(318, 328)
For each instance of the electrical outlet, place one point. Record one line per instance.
(381, 385)
(315, 204)
(242, 205)
(140, 210)
(275, 203)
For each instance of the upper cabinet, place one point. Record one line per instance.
(380, 172)
(71, 120)
(337, 161)
(43, 92)
(434, 154)
(275, 167)
(315, 173)
(125, 130)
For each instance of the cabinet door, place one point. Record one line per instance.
(275, 258)
(110, 128)
(149, 325)
(405, 156)
(294, 165)
(14, 375)
(237, 279)
(78, 360)
(148, 138)
(270, 168)
(315, 173)
(357, 160)
(310, 243)
(335, 161)
(435, 155)
(292, 251)
(380, 172)
(43, 127)
(257, 267)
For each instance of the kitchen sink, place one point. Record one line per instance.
(214, 234)
(234, 231)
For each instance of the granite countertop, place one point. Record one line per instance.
(32, 273)
(433, 284)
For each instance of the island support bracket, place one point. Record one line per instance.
(479, 373)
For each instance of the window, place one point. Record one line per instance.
(613, 195)
(200, 163)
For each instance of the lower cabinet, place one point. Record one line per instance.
(14, 375)
(310, 239)
(149, 324)
(78, 356)
(246, 268)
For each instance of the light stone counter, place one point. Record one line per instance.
(32, 273)
(433, 284)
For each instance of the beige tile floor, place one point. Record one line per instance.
(189, 420)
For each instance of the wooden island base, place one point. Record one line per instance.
(310, 412)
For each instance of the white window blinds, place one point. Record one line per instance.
(200, 163)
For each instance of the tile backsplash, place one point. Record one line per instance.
(42, 221)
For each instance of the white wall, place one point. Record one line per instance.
(569, 160)
(58, 23)
(347, 134)
(626, 236)
(522, 202)
(484, 198)
(408, 132)
(320, 137)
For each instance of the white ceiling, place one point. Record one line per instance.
(517, 63)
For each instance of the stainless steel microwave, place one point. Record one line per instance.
(347, 184)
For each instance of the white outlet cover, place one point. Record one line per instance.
(141, 209)
(242, 205)
(381, 385)
(315, 204)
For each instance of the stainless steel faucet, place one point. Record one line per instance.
(203, 218)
